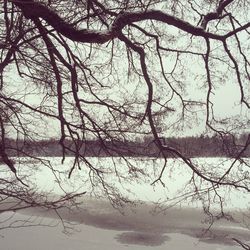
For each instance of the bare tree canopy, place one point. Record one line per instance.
(117, 72)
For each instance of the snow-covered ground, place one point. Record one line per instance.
(88, 237)
(96, 225)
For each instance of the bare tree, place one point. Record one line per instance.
(113, 70)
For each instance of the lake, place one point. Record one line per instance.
(164, 214)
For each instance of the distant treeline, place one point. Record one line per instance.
(202, 146)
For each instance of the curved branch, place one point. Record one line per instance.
(237, 70)
(33, 10)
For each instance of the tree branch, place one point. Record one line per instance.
(215, 15)
(33, 10)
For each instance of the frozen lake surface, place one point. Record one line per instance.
(133, 178)
(97, 225)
